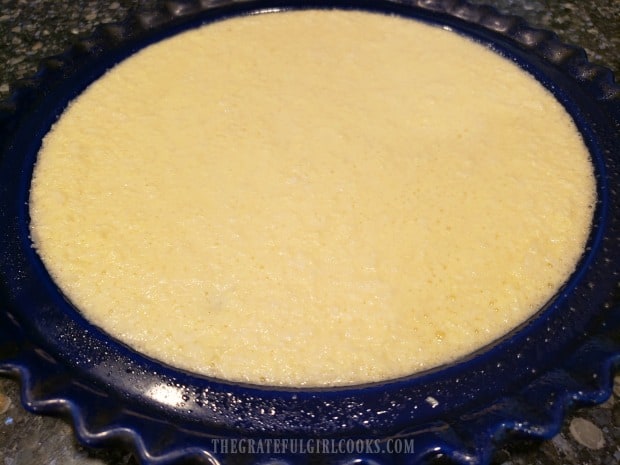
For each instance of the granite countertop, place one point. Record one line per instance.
(33, 29)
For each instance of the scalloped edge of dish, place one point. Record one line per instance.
(538, 411)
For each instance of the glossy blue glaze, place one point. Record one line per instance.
(519, 386)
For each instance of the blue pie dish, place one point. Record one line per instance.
(519, 387)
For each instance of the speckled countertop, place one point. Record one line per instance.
(33, 29)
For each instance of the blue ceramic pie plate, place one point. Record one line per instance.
(518, 387)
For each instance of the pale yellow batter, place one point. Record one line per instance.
(312, 198)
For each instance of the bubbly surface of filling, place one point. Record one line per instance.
(312, 198)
